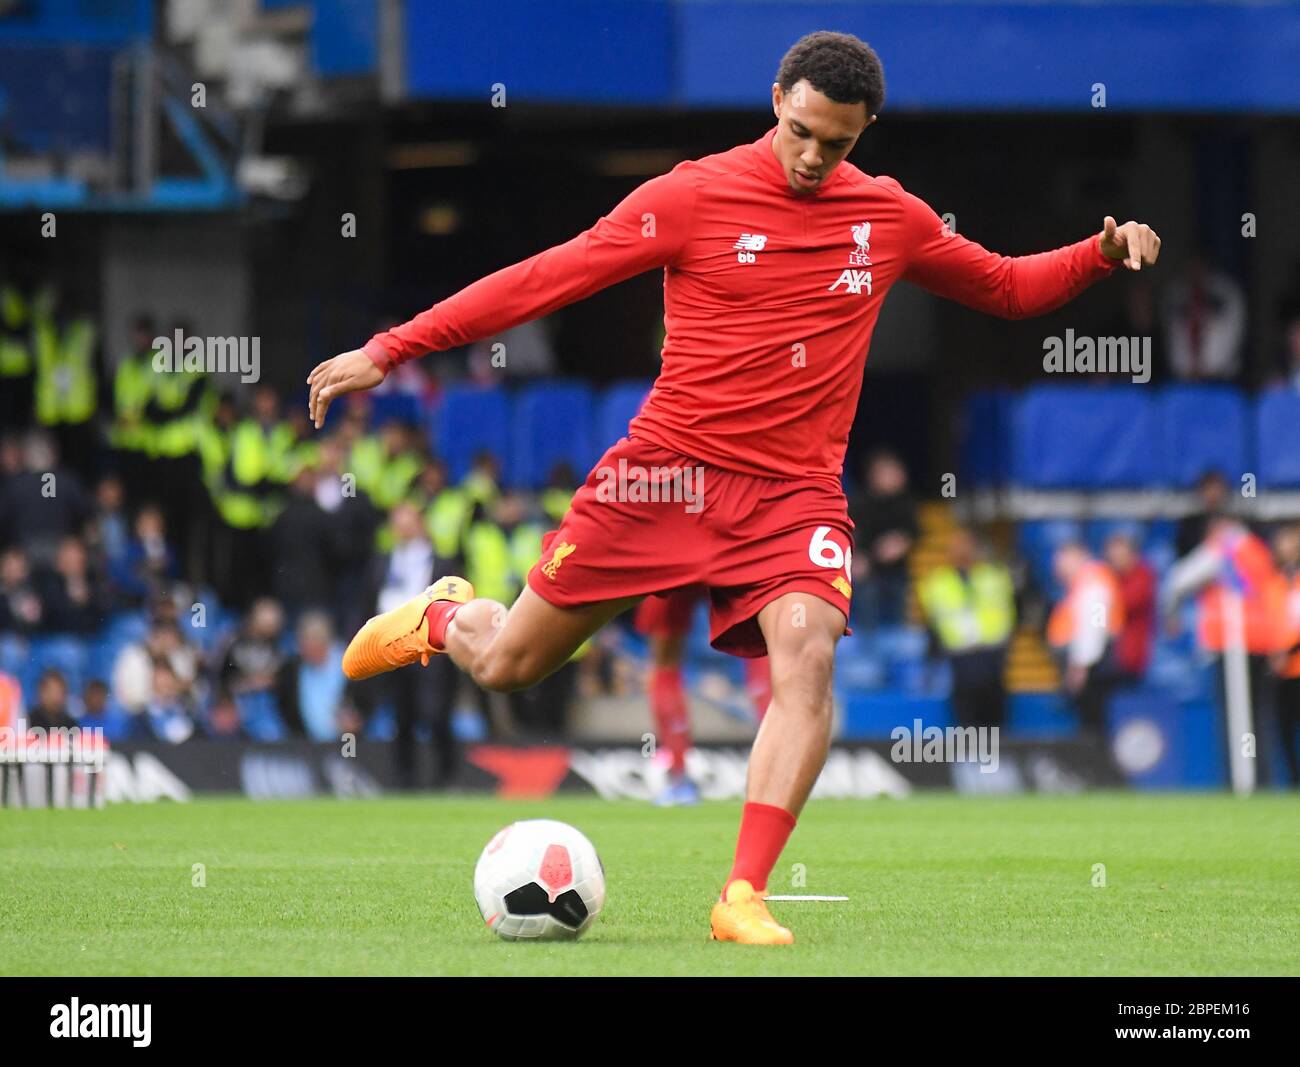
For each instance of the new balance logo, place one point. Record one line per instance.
(853, 281)
(747, 245)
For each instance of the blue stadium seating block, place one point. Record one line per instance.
(552, 424)
(1205, 428)
(1085, 437)
(1277, 429)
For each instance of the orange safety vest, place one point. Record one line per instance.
(1263, 599)
(1064, 622)
(11, 699)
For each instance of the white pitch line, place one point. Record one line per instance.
(804, 898)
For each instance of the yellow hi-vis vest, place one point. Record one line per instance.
(15, 334)
(979, 610)
(555, 502)
(65, 372)
(132, 389)
(241, 468)
(497, 563)
(446, 520)
(176, 431)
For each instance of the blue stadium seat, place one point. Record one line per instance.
(1204, 427)
(1277, 429)
(985, 437)
(616, 408)
(404, 407)
(65, 653)
(552, 424)
(471, 419)
(1086, 437)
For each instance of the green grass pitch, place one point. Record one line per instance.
(940, 884)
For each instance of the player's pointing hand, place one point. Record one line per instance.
(1135, 243)
(346, 373)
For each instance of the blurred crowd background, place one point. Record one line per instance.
(182, 556)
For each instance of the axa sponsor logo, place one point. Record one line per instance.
(854, 281)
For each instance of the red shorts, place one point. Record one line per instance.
(649, 521)
(668, 614)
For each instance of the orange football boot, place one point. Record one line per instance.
(401, 636)
(742, 916)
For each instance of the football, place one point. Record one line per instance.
(539, 880)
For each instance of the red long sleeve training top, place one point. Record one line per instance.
(770, 299)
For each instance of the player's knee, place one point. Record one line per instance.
(807, 655)
(503, 671)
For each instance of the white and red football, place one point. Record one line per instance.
(539, 880)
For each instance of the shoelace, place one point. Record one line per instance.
(412, 642)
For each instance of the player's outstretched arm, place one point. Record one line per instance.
(646, 230)
(345, 373)
(1016, 287)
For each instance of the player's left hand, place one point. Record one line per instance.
(344, 373)
(1135, 243)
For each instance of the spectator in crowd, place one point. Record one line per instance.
(1212, 501)
(1205, 324)
(132, 676)
(1137, 597)
(43, 503)
(417, 696)
(311, 682)
(1082, 629)
(251, 665)
(75, 597)
(1241, 605)
(95, 708)
(354, 522)
(22, 610)
(51, 711)
(148, 567)
(11, 463)
(223, 721)
(1286, 662)
(169, 714)
(970, 611)
(109, 532)
(11, 702)
(301, 545)
(130, 434)
(884, 516)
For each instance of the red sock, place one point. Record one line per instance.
(758, 683)
(764, 830)
(668, 703)
(439, 614)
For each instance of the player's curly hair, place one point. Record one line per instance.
(838, 65)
